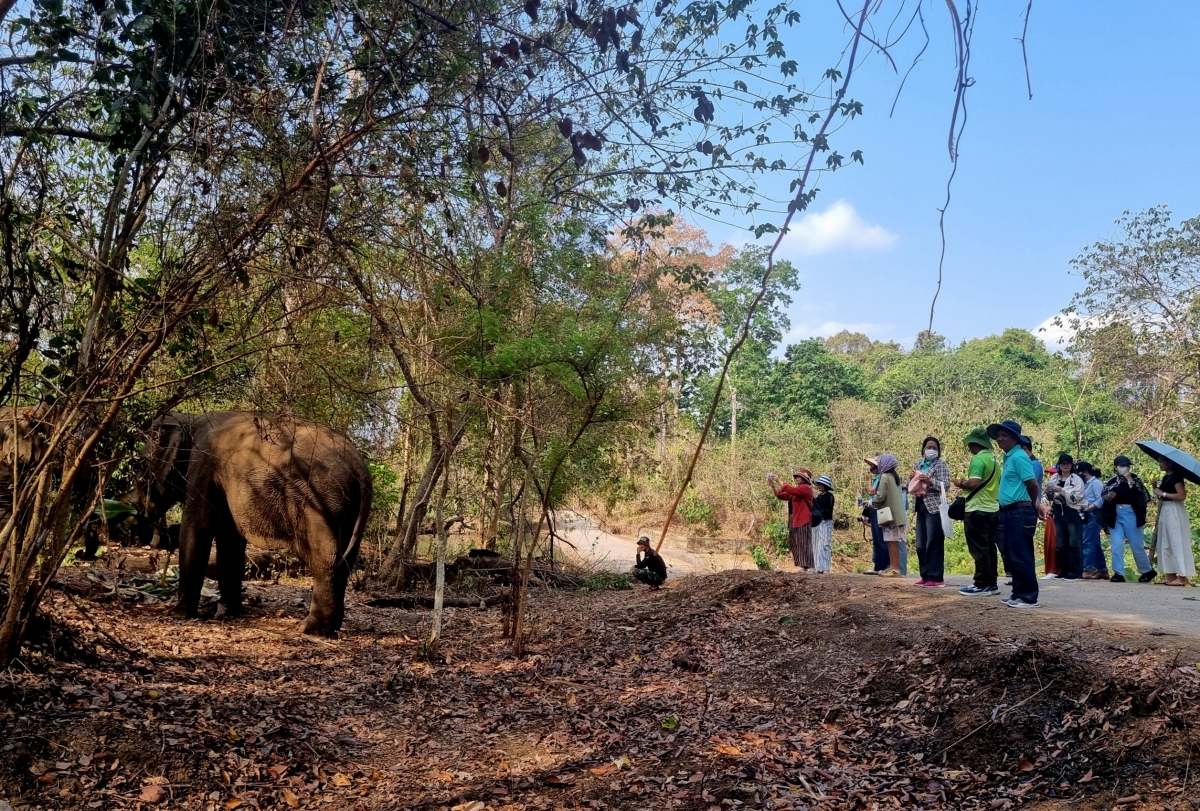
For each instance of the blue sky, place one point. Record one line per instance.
(1113, 125)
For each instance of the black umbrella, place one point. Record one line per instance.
(1184, 462)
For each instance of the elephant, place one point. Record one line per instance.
(23, 434)
(276, 482)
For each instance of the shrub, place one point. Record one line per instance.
(696, 510)
(760, 558)
(776, 532)
(607, 581)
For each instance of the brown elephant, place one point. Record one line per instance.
(23, 432)
(275, 482)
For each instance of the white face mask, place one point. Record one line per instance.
(931, 454)
(1121, 471)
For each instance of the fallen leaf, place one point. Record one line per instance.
(728, 750)
(290, 798)
(153, 794)
(1025, 765)
(1087, 778)
(232, 803)
(477, 805)
(1130, 800)
(601, 771)
(669, 722)
(342, 780)
(556, 780)
(233, 734)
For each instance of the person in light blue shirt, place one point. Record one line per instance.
(1018, 514)
(1095, 567)
(1039, 470)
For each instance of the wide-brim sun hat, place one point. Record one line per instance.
(1012, 426)
(826, 481)
(803, 473)
(978, 436)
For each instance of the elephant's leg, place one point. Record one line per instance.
(330, 576)
(231, 565)
(195, 544)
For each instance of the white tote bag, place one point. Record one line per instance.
(947, 522)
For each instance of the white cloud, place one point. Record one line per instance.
(827, 328)
(1057, 337)
(837, 228)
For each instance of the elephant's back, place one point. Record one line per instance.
(277, 472)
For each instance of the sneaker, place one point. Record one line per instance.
(1148, 577)
(1069, 578)
(1050, 576)
(1117, 578)
(975, 591)
(1017, 602)
(1008, 582)
(921, 583)
(932, 584)
(889, 573)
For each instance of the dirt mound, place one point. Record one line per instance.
(749, 689)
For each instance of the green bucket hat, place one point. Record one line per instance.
(978, 436)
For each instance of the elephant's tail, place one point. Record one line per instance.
(365, 495)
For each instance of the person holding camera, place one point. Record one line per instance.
(799, 496)
(1066, 494)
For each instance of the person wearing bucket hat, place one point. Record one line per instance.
(981, 513)
(1124, 515)
(822, 533)
(1018, 514)
(799, 496)
(1066, 494)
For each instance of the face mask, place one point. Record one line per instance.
(1121, 471)
(931, 454)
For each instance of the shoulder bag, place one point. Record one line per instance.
(958, 510)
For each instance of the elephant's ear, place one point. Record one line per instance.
(167, 450)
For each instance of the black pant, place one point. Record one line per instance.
(931, 544)
(1068, 541)
(648, 577)
(1018, 525)
(983, 533)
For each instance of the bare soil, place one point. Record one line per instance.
(740, 689)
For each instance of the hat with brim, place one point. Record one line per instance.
(978, 436)
(826, 481)
(873, 461)
(1122, 461)
(644, 541)
(1012, 426)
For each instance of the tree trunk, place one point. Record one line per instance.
(439, 589)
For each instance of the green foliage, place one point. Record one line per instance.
(761, 559)
(607, 581)
(386, 487)
(696, 510)
(776, 534)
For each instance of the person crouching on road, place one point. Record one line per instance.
(893, 517)
(822, 533)
(1124, 515)
(1018, 514)
(799, 497)
(649, 567)
(1094, 565)
(981, 517)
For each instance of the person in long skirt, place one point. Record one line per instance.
(799, 496)
(1175, 557)
(823, 532)
(890, 495)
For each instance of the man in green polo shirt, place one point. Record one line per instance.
(1018, 515)
(981, 518)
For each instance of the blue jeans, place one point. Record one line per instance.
(879, 551)
(1126, 531)
(1018, 526)
(1093, 551)
(931, 544)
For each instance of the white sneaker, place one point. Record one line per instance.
(1050, 576)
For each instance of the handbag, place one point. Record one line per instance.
(883, 515)
(817, 518)
(944, 512)
(958, 510)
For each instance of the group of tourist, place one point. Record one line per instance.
(1000, 501)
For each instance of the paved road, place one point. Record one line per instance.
(617, 553)
(1139, 605)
